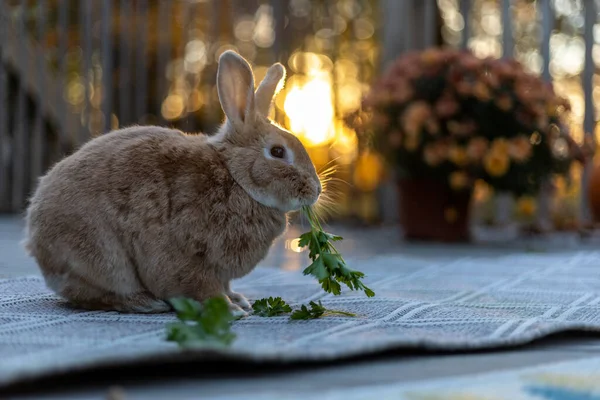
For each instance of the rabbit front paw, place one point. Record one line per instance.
(237, 311)
(239, 300)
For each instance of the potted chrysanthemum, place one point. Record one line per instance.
(445, 118)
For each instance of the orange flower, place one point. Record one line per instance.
(414, 117)
(458, 180)
(504, 102)
(402, 92)
(526, 206)
(496, 163)
(432, 56)
(519, 149)
(446, 106)
(432, 126)
(458, 155)
(464, 88)
(481, 91)
(435, 154)
(477, 148)
(411, 143)
(499, 146)
(461, 128)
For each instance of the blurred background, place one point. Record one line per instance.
(71, 70)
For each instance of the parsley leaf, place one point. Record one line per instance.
(328, 266)
(206, 324)
(271, 307)
(317, 310)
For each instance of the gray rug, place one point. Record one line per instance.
(466, 304)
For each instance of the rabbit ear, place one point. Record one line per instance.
(235, 85)
(268, 88)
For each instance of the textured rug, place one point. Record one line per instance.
(472, 303)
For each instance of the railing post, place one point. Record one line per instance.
(86, 45)
(21, 135)
(4, 139)
(544, 198)
(39, 132)
(64, 135)
(589, 121)
(107, 64)
(163, 51)
(465, 9)
(141, 67)
(125, 62)
(507, 32)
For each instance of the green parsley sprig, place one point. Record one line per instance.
(317, 310)
(271, 307)
(201, 325)
(328, 266)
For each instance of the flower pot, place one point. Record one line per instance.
(432, 211)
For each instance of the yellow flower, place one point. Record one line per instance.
(496, 163)
(519, 148)
(499, 146)
(458, 155)
(526, 206)
(458, 180)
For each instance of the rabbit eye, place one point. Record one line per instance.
(278, 152)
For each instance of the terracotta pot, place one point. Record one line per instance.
(594, 192)
(430, 210)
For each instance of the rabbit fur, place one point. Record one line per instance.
(143, 214)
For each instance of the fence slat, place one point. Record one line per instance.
(589, 120)
(163, 50)
(430, 23)
(39, 131)
(125, 62)
(85, 18)
(507, 31)
(4, 138)
(141, 69)
(547, 23)
(107, 64)
(20, 135)
(64, 134)
(465, 8)
(544, 198)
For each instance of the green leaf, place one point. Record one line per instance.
(305, 239)
(317, 269)
(271, 307)
(206, 324)
(317, 310)
(328, 266)
(186, 309)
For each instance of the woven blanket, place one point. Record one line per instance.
(465, 304)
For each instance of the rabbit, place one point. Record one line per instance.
(143, 214)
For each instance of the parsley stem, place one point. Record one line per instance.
(336, 312)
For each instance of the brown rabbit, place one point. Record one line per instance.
(143, 214)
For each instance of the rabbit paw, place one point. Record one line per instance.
(237, 311)
(240, 300)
